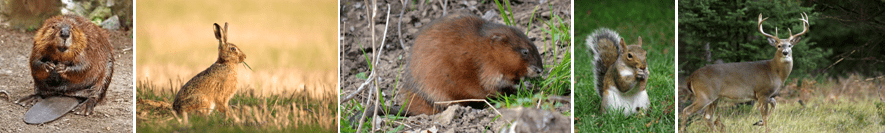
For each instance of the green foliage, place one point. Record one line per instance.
(653, 21)
(852, 29)
(729, 27)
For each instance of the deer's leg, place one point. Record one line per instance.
(695, 107)
(765, 104)
(712, 116)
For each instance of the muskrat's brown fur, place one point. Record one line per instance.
(71, 57)
(461, 56)
(214, 86)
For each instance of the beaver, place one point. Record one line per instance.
(461, 56)
(71, 57)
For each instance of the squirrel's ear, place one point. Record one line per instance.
(623, 44)
(639, 41)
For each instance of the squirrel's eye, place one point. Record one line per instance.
(629, 55)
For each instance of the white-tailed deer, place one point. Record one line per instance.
(742, 81)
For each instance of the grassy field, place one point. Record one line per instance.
(290, 46)
(654, 21)
(848, 105)
(284, 112)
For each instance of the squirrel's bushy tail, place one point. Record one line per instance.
(604, 48)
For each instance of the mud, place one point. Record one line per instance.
(114, 114)
(356, 45)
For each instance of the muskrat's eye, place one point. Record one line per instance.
(524, 51)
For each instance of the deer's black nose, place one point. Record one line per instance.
(786, 53)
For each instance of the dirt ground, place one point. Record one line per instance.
(112, 115)
(354, 27)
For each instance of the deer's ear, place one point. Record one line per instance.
(795, 41)
(773, 42)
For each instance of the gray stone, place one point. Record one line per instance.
(112, 23)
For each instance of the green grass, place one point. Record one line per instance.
(654, 21)
(295, 112)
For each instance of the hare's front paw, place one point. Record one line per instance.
(29, 101)
(85, 108)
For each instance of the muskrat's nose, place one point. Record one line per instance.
(65, 32)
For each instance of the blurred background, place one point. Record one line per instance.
(290, 45)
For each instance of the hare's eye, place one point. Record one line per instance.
(233, 48)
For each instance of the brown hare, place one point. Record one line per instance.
(215, 86)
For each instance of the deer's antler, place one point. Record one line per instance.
(762, 31)
(804, 26)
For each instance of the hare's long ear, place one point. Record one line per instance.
(218, 34)
(225, 32)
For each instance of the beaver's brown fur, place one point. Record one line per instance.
(71, 57)
(461, 56)
(216, 85)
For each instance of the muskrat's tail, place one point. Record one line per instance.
(604, 48)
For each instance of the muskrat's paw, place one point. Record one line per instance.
(29, 101)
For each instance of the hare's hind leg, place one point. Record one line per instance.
(225, 108)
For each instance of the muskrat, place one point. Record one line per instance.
(461, 56)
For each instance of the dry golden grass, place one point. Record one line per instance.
(284, 111)
(290, 45)
(832, 105)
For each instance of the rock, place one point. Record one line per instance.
(489, 15)
(112, 23)
(445, 117)
(100, 12)
(535, 120)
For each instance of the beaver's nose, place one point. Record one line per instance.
(65, 33)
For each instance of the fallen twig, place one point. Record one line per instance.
(471, 100)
